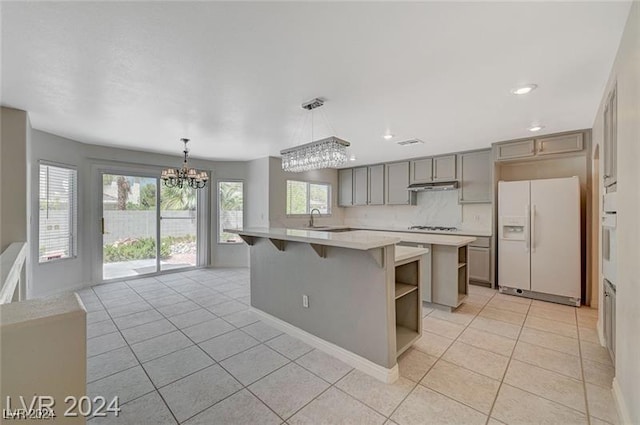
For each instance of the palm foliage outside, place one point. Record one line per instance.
(231, 205)
(176, 198)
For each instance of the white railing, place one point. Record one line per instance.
(12, 273)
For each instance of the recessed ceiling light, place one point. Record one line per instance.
(535, 128)
(524, 89)
(352, 158)
(387, 136)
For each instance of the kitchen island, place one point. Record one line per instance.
(355, 295)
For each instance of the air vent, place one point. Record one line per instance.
(410, 142)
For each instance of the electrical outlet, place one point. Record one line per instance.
(305, 301)
(476, 217)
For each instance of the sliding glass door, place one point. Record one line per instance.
(178, 227)
(146, 226)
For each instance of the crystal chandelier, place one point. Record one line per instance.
(178, 177)
(326, 153)
(330, 152)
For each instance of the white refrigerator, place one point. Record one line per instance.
(539, 239)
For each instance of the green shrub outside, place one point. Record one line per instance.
(141, 249)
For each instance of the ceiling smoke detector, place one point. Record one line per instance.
(410, 142)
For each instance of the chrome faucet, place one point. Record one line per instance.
(311, 216)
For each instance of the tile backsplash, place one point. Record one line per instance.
(432, 208)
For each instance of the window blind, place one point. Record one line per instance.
(58, 197)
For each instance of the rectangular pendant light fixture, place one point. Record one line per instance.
(325, 153)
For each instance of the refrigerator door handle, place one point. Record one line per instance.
(527, 236)
(533, 228)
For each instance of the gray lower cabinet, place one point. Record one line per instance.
(444, 168)
(396, 183)
(559, 144)
(360, 186)
(421, 170)
(480, 260)
(480, 264)
(475, 177)
(515, 150)
(345, 187)
(376, 185)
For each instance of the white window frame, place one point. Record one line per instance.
(218, 217)
(308, 183)
(73, 226)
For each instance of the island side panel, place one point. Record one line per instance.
(350, 295)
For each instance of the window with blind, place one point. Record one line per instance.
(58, 213)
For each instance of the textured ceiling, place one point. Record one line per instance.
(232, 76)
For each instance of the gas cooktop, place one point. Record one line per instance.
(434, 228)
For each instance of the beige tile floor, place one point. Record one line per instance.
(183, 348)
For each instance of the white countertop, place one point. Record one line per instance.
(41, 309)
(363, 240)
(406, 252)
(425, 238)
(458, 232)
(356, 239)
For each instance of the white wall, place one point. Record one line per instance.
(626, 73)
(14, 138)
(257, 207)
(53, 277)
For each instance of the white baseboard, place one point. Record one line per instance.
(367, 366)
(600, 330)
(621, 405)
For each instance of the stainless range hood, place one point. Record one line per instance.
(418, 187)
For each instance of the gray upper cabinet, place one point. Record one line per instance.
(444, 168)
(559, 144)
(397, 180)
(345, 187)
(421, 170)
(475, 177)
(610, 144)
(376, 184)
(515, 150)
(540, 147)
(360, 186)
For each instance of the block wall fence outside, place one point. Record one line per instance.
(142, 224)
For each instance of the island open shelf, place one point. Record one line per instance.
(408, 302)
(403, 289)
(405, 337)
